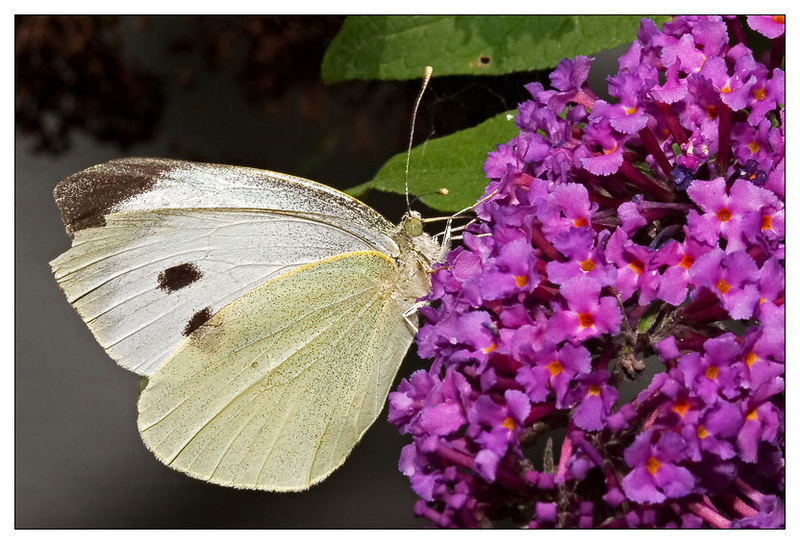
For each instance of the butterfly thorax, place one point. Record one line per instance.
(418, 253)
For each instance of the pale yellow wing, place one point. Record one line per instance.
(275, 390)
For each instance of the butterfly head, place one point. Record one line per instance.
(412, 224)
(416, 244)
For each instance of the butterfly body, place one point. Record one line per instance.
(267, 311)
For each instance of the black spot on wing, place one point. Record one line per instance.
(178, 277)
(197, 320)
(86, 196)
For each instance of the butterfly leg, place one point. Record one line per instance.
(411, 311)
(411, 325)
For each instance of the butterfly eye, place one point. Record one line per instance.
(412, 226)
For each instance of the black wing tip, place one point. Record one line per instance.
(84, 197)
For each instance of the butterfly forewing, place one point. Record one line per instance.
(276, 389)
(160, 246)
(147, 184)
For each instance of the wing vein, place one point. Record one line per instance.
(330, 418)
(260, 378)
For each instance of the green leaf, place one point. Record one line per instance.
(399, 47)
(453, 162)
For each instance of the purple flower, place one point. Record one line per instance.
(586, 313)
(712, 373)
(634, 270)
(724, 213)
(602, 151)
(499, 423)
(734, 89)
(760, 424)
(595, 400)
(630, 216)
(637, 236)
(584, 258)
(412, 465)
(568, 78)
(714, 432)
(767, 94)
(673, 89)
(423, 402)
(624, 117)
(467, 336)
(678, 258)
(732, 277)
(755, 143)
(512, 271)
(499, 161)
(553, 369)
(682, 51)
(771, 26)
(655, 474)
(568, 207)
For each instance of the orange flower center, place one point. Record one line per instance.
(587, 265)
(586, 320)
(780, 19)
(653, 465)
(753, 147)
(594, 390)
(680, 407)
(712, 372)
(701, 432)
(760, 94)
(750, 358)
(766, 222)
(723, 286)
(555, 368)
(630, 111)
(637, 266)
(490, 348)
(610, 151)
(724, 215)
(752, 414)
(508, 423)
(702, 62)
(687, 261)
(726, 89)
(521, 281)
(581, 222)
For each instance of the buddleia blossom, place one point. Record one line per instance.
(639, 242)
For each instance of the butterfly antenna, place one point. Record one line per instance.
(425, 79)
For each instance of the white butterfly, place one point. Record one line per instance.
(267, 311)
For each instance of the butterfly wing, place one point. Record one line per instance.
(146, 184)
(276, 389)
(160, 246)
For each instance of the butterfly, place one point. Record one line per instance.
(269, 313)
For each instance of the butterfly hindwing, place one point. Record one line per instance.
(276, 388)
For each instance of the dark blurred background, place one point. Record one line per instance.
(237, 90)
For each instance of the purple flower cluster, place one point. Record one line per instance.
(638, 241)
